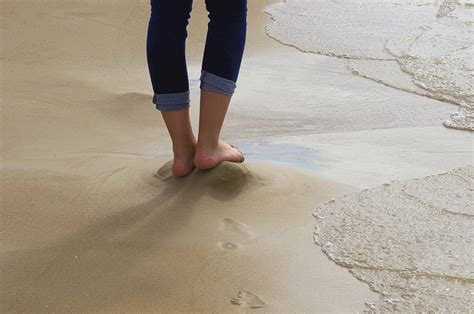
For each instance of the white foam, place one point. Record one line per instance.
(410, 241)
(431, 41)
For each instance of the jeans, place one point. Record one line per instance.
(165, 45)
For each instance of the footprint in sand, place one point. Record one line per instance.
(237, 229)
(248, 299)
(234, 232)
(228, 245)
(164, 173)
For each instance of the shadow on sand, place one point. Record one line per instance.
(95, 268)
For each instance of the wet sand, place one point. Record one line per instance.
(91, 218)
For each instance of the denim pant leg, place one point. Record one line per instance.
(225, 43)
(165, 45)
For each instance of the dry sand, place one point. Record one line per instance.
(91, 218)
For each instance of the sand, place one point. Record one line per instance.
(93, 221)
(91, 218)
(126, 239)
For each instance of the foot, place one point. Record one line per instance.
(209, 157)
(183, 162)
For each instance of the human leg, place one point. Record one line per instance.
(166, 39)
(221, 64)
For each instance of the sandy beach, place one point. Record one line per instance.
(92, 219)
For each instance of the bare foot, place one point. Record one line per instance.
(209, 157)
(183, 163)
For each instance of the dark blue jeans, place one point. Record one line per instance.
(223, 52)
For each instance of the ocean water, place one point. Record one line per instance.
(411, 241)
(423, 47)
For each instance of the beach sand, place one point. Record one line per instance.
(129, 238)
(92, 220)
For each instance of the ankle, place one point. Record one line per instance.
(207, 144)
(184, 149)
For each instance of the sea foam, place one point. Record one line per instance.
(430, 41)
(411, 241)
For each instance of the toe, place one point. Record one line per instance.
(241, 155)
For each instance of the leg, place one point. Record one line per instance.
(184, 143)
(221, 64)
(166, 39)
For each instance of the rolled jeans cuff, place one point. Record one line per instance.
(175, 101)
(213, 83)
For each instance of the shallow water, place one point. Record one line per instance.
(410, 241)
(430, 41)
(303, 158)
